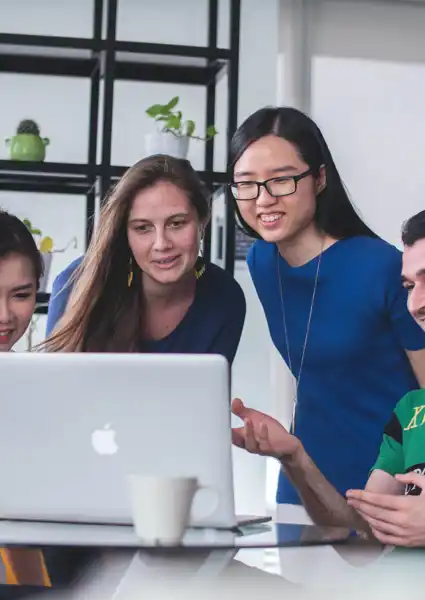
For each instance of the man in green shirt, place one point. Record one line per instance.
(391, 509)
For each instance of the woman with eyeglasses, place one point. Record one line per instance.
(331, 291)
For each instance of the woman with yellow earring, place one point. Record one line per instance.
(143, 285)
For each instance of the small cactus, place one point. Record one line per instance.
(28, 126)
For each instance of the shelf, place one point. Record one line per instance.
(134, 61)
(168, 63)
(54, 178)
(48, 55)
(42, 301)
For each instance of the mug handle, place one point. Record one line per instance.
(7, 141)
(45, 141)
(216, 493)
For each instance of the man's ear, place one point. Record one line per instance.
(321, 180)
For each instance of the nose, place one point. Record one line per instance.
(5, 312)
(265, 199)
(161, 241)
(416, 303)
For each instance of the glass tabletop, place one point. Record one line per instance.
(268, 535)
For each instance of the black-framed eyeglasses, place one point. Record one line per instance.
(276, 186)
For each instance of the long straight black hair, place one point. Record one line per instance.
(335, 214)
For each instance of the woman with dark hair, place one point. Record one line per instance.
(331, 291)
(142, 286)
(21, 267)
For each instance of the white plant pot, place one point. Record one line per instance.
(166, 143)
(47, 259)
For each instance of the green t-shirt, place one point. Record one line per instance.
(403, 445)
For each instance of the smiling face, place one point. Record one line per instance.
(164, 233)
(281, 218)
(17, 298)
(413, 275)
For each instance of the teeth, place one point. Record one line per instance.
(165, 261)
(270, 218)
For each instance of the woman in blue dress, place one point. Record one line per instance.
(142, 286)
(331, 291)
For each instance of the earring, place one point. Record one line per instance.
(130, 273)
(199, 267)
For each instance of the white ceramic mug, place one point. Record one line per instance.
(162, 506)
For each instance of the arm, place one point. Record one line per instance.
(61, 290)
(261, 434)
(321, 500)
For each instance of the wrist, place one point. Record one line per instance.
(296, 458)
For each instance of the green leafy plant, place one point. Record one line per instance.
(172, 121)
(28, 126)
(46, 242)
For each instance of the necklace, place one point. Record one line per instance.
(285, 329)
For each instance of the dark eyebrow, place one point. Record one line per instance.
(23, 288)
(285, 169)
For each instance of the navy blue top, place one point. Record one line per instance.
(355, 366)
(212, 325)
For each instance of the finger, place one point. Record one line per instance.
(384, 515)
(382, 526)
(263, 439)
(238, 436)
(415, 478)
(388, 540)
(250, 442)
(263, 433)
(238, 408)
(379, 500)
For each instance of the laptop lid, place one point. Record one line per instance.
(73, 426)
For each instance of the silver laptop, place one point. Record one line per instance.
(73, 426)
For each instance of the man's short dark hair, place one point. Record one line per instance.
(413, 229)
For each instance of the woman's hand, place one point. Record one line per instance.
(262, 434)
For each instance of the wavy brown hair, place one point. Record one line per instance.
(103, 313)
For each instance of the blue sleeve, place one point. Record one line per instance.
(227, 340)
(408, 332)
(61, 291)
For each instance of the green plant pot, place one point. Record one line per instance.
(27, 146)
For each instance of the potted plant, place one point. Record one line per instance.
(174, 132)
(27, 143)
(46, 246)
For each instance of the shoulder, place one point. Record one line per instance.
(409, 405)
(378, 252)
(261, 258)
(218, 282)
(375, 261)
(64, 276)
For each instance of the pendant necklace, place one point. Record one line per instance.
(285, 329)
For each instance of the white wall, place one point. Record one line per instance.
(61, 107)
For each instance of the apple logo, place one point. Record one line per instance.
(103, 440)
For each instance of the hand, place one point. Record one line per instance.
(261, 434)
(394, 520)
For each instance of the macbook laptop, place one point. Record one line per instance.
(73, 426)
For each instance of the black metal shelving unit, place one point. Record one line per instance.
(103, 59)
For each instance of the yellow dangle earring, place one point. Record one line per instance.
(200, 263)
(130, 272)
(199, 267)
